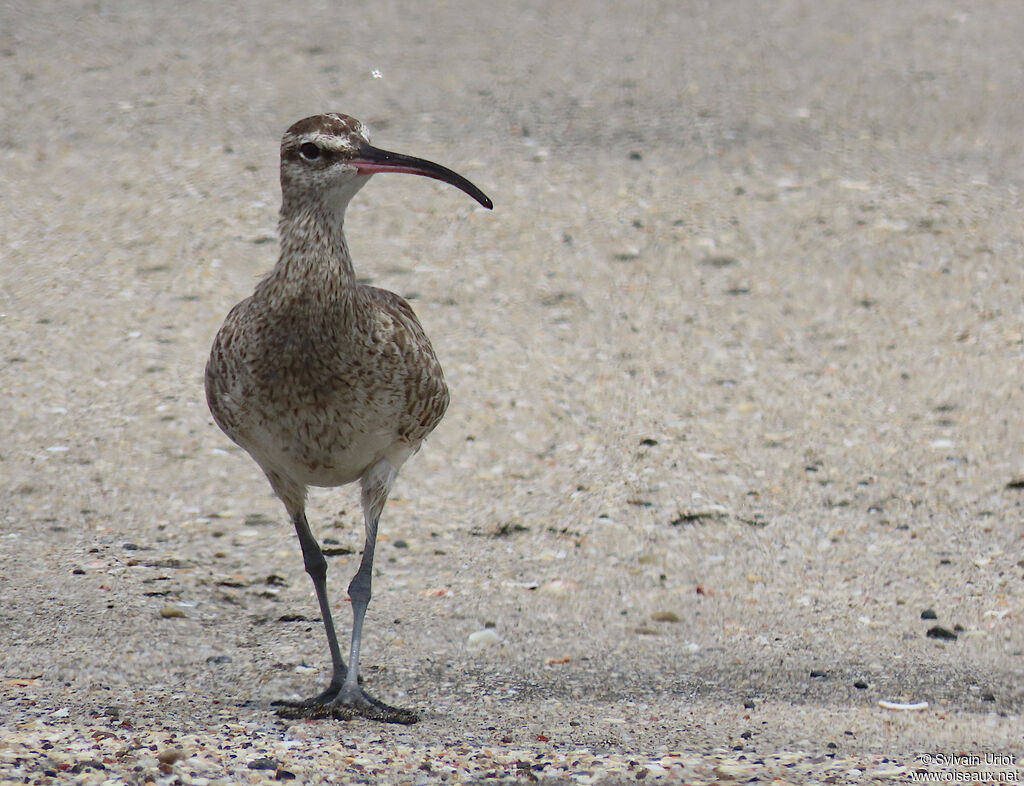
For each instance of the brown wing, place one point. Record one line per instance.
(425, 389)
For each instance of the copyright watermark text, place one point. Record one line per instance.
(985, 767)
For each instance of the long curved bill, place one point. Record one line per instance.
(371, 160)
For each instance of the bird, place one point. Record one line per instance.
(325, 381)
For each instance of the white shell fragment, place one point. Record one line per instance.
(902, 707)
(480, 639)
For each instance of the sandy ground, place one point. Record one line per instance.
(735, 369)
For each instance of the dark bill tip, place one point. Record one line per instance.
(371, 160)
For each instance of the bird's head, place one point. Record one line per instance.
(329, 158)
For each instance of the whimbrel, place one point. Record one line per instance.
(324, 381)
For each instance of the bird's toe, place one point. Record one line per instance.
(352, 704)
(315, 707)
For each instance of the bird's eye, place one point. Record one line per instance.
(309, 151)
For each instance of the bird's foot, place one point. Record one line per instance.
(345, 704)
(305, 708)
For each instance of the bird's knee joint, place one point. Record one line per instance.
(359, 588)
(316, 563)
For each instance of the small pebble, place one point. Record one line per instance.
(170, 755)
(169, 612)
(929, 614)
(435, 592)
(939, 632)
(482, 639)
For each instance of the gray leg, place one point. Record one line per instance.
(294, 497)
(316, 566)
(359, 589)
(352, 700)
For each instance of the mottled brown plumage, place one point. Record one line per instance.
(324, 381)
